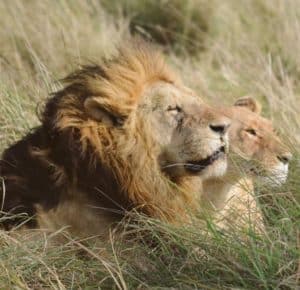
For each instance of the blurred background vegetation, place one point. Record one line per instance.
(223, 50)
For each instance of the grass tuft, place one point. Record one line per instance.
(224, 50)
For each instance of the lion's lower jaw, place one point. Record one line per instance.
(275, 177)
(216, 170)
(272, 180)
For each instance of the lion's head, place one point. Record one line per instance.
(134, 118)
(190, 137)
(252, 137)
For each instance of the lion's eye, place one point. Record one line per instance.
(251, 132)
(177, 113)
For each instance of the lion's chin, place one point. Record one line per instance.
(215, 170)
(275, 177)
(215, 164)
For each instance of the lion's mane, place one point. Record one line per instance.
(112, 167)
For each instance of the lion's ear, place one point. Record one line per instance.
(249, 103)
(100, 111)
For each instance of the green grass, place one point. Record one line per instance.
(224, 50)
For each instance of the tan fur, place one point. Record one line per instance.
(252, 156)
(78, 217)
(123, 134)
(136, 68)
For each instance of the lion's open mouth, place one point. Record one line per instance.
(199, 165)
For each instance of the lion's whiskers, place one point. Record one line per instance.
(176, 164)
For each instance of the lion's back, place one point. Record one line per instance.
(26, 177)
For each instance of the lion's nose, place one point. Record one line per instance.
(285, 158)
(219, 128)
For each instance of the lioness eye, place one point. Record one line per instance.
(251, 131)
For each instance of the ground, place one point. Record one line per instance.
(223, 50)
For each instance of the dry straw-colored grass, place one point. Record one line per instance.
(224, 50)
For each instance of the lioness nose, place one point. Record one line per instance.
(285, 159)
(219, 128)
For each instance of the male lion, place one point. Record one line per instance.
(123, 135)
(260, 154)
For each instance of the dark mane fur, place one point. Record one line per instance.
(55, 160)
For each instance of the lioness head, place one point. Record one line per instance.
(253, 138)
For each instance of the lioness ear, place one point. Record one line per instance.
(249, 103)
(101, 112)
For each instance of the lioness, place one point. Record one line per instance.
(260, 154)
(118, 136)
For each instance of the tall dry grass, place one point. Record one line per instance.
(224, 50)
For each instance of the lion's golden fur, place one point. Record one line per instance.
(72, 159)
